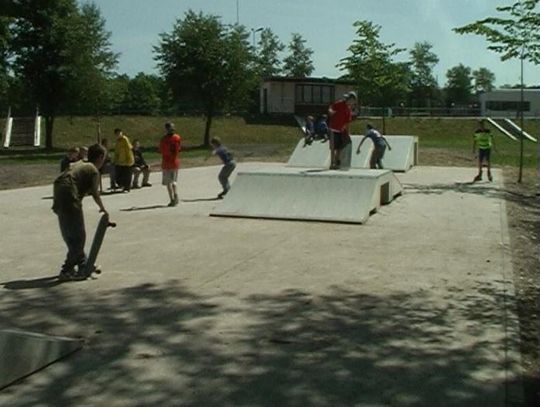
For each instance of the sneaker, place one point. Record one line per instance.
(66, 275)
(135, 186)
(478, 178)
(490, 177)
(147, 184)
(172, 203)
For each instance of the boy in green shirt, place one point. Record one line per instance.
(81, 179)
(484, 141)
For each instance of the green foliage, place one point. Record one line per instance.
(484, 80)
(381, 81)
(61, 54)
(516, 35)
(423, 82)
(298, 63)
(207, 61)
(143, 94)
(459, 85)
(267, 54)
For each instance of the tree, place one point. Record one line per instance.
(298, 63)
(61, 52)
(143, 94)
(459, 85)
(4, 57)
(423, 82)
(267, 54)
(515, 35)
(484, 80)
(381, 81)
(207, 61)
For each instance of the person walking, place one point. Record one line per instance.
(228, 165)
(169, 147)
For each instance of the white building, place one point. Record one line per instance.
(505, 103)
(301, 95)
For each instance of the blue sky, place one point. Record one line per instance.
(326, 26)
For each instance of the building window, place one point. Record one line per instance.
(314, 94)
(505, 105)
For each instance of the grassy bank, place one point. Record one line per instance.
(450, 134)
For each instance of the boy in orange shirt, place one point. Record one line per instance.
(169, 147)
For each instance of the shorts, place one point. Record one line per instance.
(339, 140)
(169, 177)
(484, 153)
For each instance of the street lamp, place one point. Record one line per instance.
(253, 31)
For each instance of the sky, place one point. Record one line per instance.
(326, 26)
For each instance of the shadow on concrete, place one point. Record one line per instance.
(144, 208)
(168, 346)
(44, 282)
(201, 199)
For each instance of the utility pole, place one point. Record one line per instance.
(253, 31)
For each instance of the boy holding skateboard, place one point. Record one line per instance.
(81, 179)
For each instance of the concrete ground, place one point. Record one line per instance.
(413, 308)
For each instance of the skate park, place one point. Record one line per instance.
(412, 305)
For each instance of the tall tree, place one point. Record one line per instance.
(370, 64)
(60, 51)
(515, 35)
(4, 57)
(207, 61)
(423, 82)
(267, 54)
(484, 80)
(459, 85)
(298, 63)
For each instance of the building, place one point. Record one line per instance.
(505, 103)
(301, 96)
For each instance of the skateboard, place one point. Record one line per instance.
(102, 226)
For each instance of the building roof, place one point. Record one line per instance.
(309, 80)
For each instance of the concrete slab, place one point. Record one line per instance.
(322, 195)
(414, 308)
(24, 353)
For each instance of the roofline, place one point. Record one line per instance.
(308, 80)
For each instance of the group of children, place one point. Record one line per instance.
(335, 127)
(81, 176)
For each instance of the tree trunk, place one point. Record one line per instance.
(49, 123)
(209, 117)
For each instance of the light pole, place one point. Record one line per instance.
(253, 31)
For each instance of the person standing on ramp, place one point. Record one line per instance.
(169, 147)
(340, 113)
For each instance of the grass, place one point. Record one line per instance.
(451, 134)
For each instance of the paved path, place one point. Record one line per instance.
(413, 308)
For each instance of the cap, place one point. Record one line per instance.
(169, 126)
(351, 94)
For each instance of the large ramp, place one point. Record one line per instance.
(321, 195)
(402, 157)
(23, 353)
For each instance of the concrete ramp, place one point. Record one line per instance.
(23, 353)
(314, 155)
(320, 195)
(402, 157)
(404, 153)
